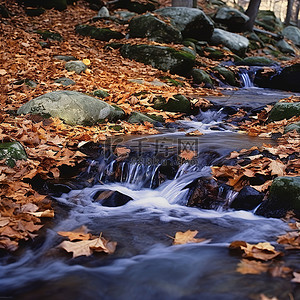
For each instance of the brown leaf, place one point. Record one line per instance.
(251, 267)
(186, 237)
(43, 214)
(277, 168)
(187, 154)
(80, 233)
(122, 151)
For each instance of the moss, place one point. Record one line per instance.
(178, 103)
(12, 152)
(49, 35)
(257, 61)
(102, 34)
(284, 110)
(228, 75)
(101, 93)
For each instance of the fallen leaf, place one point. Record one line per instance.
(2, 72)
(296, 277)
(80, 233)
(247, 266)
(277, 168)
(186, 237)
(86, 61)
(43, 214)
(187, 154)
(122, 151)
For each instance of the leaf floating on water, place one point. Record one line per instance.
(122, 151)
(264, 297)
(187, 154)
(251, 267)
(80, 233)
(187, 237)
(260, 251)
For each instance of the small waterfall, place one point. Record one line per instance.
(246, 78)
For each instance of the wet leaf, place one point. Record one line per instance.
(187, 154)
(252, 267)
(296, 277)
(122, 151)
(187, 237)
(80, 233)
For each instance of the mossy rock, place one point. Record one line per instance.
(12, 152)
(284, 110)
(213, 53)
(200, 76)
(257, 61)
(162, 58)
(292, 127)
(228, 75)
(178, 103)
(49, 35)
(268, 20)
(102, 34)
(101, 93)
(137, 117)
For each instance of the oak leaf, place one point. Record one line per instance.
(186, 237)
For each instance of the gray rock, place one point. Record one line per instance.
(235, 42)
(292, 127)
(285, 47)
(268, 20)
(65, 81)
(101, 93)
(77, 66)
(200, 76)
(124, 15)
(233, 18)
(153, 28)
(163, 58)
(103, 12)
(284, 110)
(65, 57)
(256, 61)
(102, 34)
(191, 22)
(292, 33)
(284, 196)
(72, 107)
(11, 152)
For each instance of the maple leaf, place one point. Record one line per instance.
(251, 267)
(186, 237)
(187, 154)
(80, 233)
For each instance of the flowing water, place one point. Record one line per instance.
(146, 265)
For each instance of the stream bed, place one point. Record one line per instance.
(146, 265)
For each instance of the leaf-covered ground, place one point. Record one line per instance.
(49, 143)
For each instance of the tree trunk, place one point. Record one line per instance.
(251, 12)
(289, 12)
(183, 3)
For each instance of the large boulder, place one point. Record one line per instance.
(284, 196)
(72, 107)
(162, 58)
(292, 33)
(102, 34)
(178, 103)
(191, 22)
(287, 79)
(256, 61)
(268, 20)
(285, 47)
(153, 28)
(11, 152)
(227, 76)
(232, 18)
(235, 42)
(201, 77)
(284, 110)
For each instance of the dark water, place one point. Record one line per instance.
(146, 265)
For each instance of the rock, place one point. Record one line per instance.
(75, 65)
(111, 198)
(65, 81)
(154, 29)
(256, 61)
(137, 7)
(72, 107)
(4, 12)
(292, 127)
(65, 57)
(11, 152)
(200, 76)
(229, 76)
(32, 12)
(268, 20)
(191, 22)
(49, 35)
(232, 18)
(30, 83)
(288, 79)
(163, 58)
(284, 196)
(284, 110)
(124, 15)
(102, 34)
(210, 52)
(137, 117)
(178, 103)
(103, 12)
(235, 42)
(285, 47)
(247, 199)
(101, 93)
(292, 33)
(95, 4)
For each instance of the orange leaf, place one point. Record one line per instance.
(187, 154)
(186, 237)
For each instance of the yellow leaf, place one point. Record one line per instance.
(86, 61)
(186, 237)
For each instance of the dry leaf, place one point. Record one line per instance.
(122, 151)
(277, 168)
(86, 61)
(187, 154)
(186, 237)
(43, 214)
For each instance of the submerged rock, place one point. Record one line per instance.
(284, 110)
(163, 58)
(72, 107)
(235, 42)
(191, 22)
(154, 29)
(102, 34)
(284, 196)
(11, 152)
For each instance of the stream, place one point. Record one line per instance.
(146, 212)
